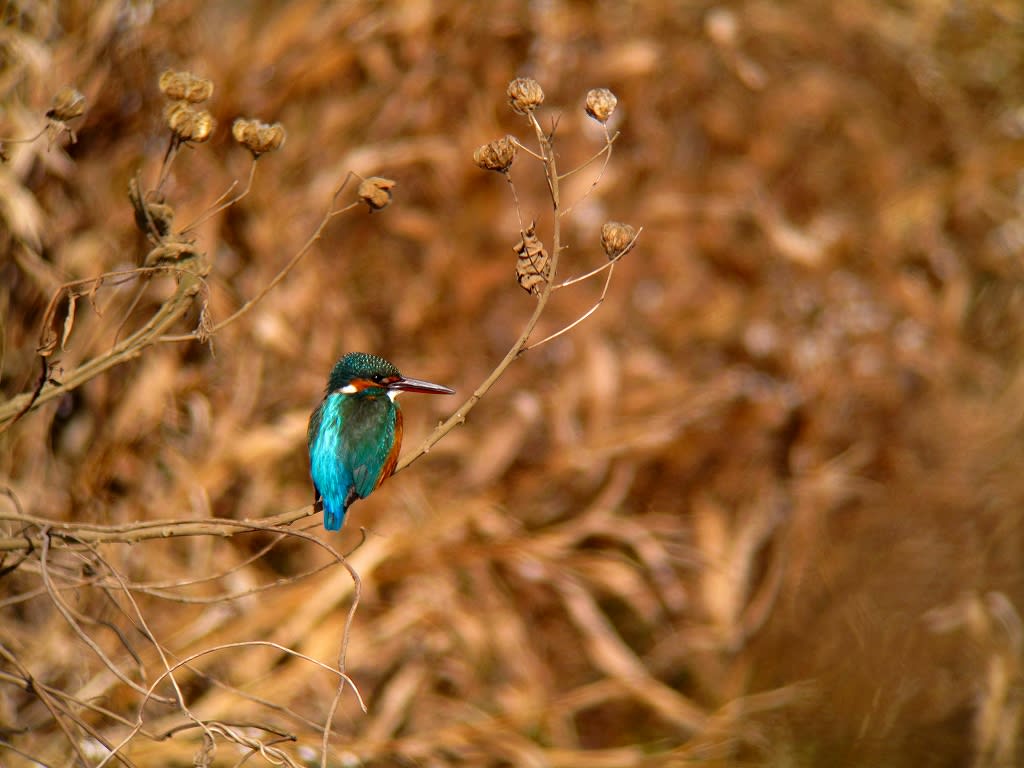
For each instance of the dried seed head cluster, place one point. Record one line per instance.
(189, 123)
(524, 95)
(496, 155)
(67, 104)
(376, 192)
(617, 238)
(155, 219)
(601, 104)
(184, 86)
(533, 265)
(258, 137)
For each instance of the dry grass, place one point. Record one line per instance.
(762, 508)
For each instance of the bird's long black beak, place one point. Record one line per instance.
(417, 385)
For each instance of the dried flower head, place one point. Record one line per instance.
(189, 123)
(376, 192)
(601, 104)
(184, 86)
(67, 104)
(525, 95)
(496, 155)
(533, 266)
(617, 238)
(258, 137)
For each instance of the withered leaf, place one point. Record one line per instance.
(69, 321)
(533, 266)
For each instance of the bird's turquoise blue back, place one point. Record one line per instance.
(351, 441)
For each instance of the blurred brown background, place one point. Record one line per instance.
(763, 508)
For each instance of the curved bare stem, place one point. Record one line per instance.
(169, 155)
(582, 317)
(515, 200)
(50, 704)
(598, 270)
(281, 275)
(192, 270)
(221, 203)
(80, 535)
(62, 608)
(606, 150)
(27, 140)
(459, 416)
(527, 150)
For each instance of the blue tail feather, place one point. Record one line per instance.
(333, 517)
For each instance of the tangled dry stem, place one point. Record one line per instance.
(38, 539)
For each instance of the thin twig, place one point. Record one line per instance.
(147, 632)
(29, 140)
(169, 155)
(62, 608)
(81, 535)
(607, 151)
(582, 317)
(44, 697)
(192, 269)
(520, 345)
(221, 204)
(515, 200)
(607, 265)
(137, 727)
(607, 148)
(526, 149)
(281, 275)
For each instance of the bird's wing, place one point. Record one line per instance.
(372, 447)
(332, 480)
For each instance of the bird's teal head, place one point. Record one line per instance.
(362, 374)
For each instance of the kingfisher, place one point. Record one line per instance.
(355, 433)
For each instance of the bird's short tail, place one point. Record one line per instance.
(333, 517)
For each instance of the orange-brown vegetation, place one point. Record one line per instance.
(763, 507)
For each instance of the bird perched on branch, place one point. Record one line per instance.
(355, 433)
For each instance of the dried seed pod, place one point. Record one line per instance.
(533, 266)
(524, 95)
(189, 123)
(496, 155)
(376, 192)
(617, 238)
(184, 86)
(258, 137)
(244, 130)
(600, 104)
(67, 104)
(151, 217)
